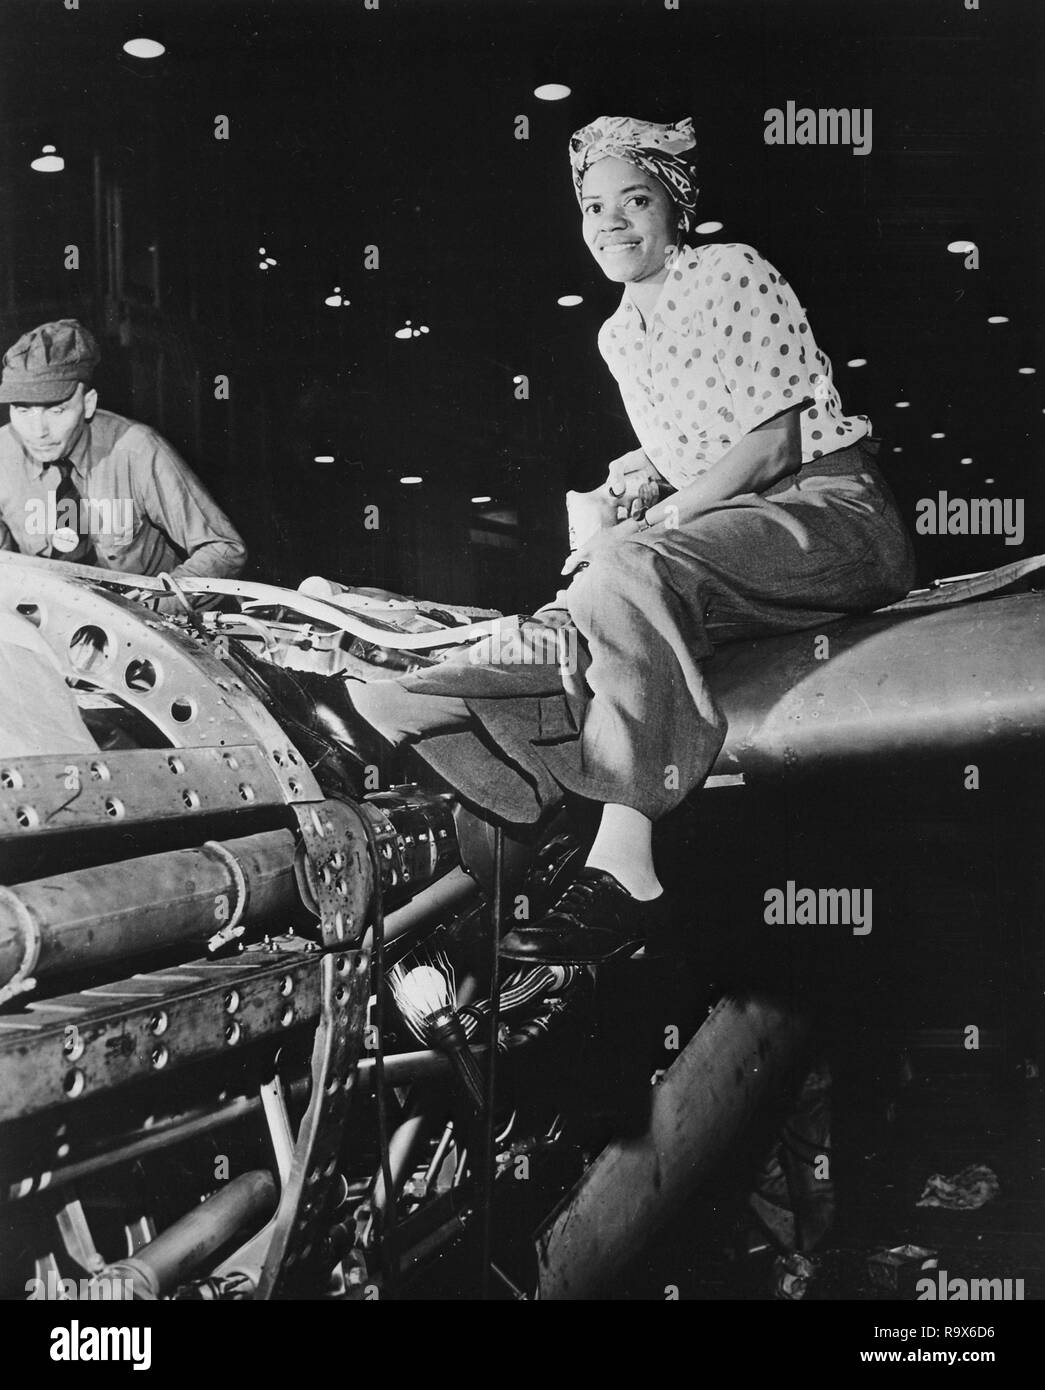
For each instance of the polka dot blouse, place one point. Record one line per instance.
(726, 347)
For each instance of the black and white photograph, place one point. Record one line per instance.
(522, 670)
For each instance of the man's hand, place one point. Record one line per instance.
(599, 542)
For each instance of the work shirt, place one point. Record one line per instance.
(726, 347)
(145, 510)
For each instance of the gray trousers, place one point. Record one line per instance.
(602, 693)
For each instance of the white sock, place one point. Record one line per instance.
(624, 848)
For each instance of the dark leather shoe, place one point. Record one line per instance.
(595, 920)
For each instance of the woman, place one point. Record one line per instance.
(752, 506)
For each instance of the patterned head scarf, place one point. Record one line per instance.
(657, 149)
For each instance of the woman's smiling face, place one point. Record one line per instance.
(628, 220)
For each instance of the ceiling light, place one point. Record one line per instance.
(337, 299)
(1027, 371)
(902, 405)
(570, 301)
(857, 362)
(323, 458)
(938, 435)
(263, 265)
(997, 318)
(482, 499)
(410, 479)
(271, 260)
(262, 251)
(403, 333)
(897, 449)
(961, 247)
(551, 91)
(966, 461)
(144, 48)
(988, 480)
(706, 228)
(48, 161)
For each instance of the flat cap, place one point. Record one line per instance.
(47, 362)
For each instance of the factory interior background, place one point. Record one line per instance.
(395, 129)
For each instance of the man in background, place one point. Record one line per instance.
(87, 486)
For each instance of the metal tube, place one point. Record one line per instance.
(426, 1112)
(159, 1267)
(451, 891)
(742, 1054)
(91, 916)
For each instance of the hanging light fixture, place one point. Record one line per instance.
(144, 48)
(48, 161)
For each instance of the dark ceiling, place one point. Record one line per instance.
(352, 127)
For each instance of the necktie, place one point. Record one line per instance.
(67, 543)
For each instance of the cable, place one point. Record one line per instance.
(383, 1221)
(490, 1137)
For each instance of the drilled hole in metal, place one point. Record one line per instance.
(231, 1000)
(232, 1034)
(10, 779)
(230, 761)
(158, 1023)
(286, 985)
(27, 817)
(140, 675)
(287, 1016)
(176, 766)
(74, 1082)
(191, 799)
(183, 710)
(160, 1056)
(114, 808)
(100, 772)
(89, 647)
(246, 792)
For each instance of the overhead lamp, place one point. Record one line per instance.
(337, 300)
(551, 91)
(144, 48)
(988, 480)
(965, 461)
(271, 260)
(707, 228)
(48, 161)
(897, 448)
(997, 318)
(410, 479)
(570, 301)
(1026, 371)
(902, 405)
(960, 248)
(323, 458)
(938, 435)
(857, 362)
(482, 499)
